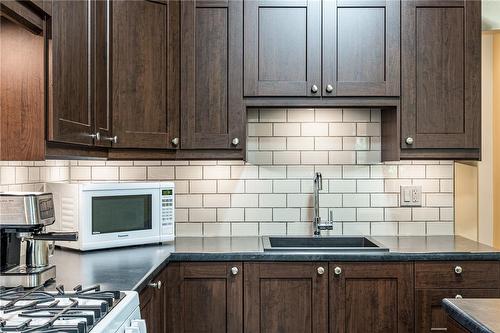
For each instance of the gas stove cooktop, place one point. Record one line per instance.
(39, 310)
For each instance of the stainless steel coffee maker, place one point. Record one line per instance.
(25, 247)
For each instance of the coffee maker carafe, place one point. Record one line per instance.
(25, 247)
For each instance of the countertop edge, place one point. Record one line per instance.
(466, 320)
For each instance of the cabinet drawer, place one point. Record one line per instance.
(455, 274)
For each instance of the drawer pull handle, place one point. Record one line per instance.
(234, 270)
(458, 296)
(321, 271)
(458, 270)
(337, 270)
(155, 285)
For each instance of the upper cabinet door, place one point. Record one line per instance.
(212, 111)
(441, 71)
(144, 73)
(282, 48)
(69, 44)
(361, 48)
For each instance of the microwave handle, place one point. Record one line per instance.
(57, 236)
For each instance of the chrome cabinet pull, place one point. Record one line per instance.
(112, 139)
(458, 270)
(96, 136)
(175, 142)
(337, 270)
(314, 88)
(235, 142)
(321, 271)
(234, 270)
(156, 285)
(409, 140)
(329, 88)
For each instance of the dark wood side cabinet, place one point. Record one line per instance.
(286, 297)
(22, 104)
(282, 48)
(144, 84)
(205, 297)
(361, 48)
(371, 297)
(212, 112)
(441, 78)
(152, 302)
(455, 327)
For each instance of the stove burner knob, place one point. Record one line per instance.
(140, 324)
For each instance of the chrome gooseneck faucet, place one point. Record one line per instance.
(317, 225)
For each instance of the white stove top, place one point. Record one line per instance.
(76, 311)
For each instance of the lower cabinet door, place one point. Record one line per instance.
(371, 297)
(205, 297)
(152, 300)
(286, 297)
(429, 314)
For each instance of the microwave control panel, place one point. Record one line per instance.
(167, 211)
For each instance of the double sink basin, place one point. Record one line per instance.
(322, 244)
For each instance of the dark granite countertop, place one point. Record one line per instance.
(475, 314)
(131, 268)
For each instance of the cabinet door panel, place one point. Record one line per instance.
(371, 297)
(429, 314)
(144, 73)
(152, 304)
(282, 48)
(361, 48)
(70, 109)
(212, 111)
(441, 74)
(285, 297)
(205, 297)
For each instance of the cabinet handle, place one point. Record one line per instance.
(329, 88)
(235, 142)
(337, 270)
(175, 142)
(458, 270)
(96, 136)
(321, 271)
(112, 139)
(458, 296)
(234, 270)
(409, 140)
(314, 89)
(156, 285)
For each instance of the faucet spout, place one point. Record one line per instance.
(317, 225)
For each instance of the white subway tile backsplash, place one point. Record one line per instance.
(272, 115)
(328, 115)
(300, 115)
(271, 193)
(188, 172)
(439, 171)
(216, 172)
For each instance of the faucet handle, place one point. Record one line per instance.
(325, 226)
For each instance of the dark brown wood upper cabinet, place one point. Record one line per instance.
(212, 112)
(282, 48)
(361, 48)
(441, 75)
(22, 88)
(286, 297)
(69, 90)
(144, 73)
(205, 297)
(371, 297)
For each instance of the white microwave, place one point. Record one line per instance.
(110, 215)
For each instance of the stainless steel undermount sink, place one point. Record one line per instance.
(323, 244)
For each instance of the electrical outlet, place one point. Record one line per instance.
(410, 196)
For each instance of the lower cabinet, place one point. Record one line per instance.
(204, 297)
(454, 327)
(371, 297)
(310, 297)
(152, 303)
(430, 316)
(286, 297)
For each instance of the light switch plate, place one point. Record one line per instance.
(410, 196)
